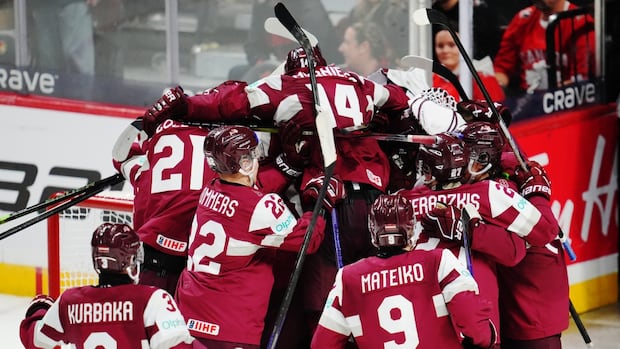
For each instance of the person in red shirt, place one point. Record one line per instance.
(116, 313)
(224, 291)
(522, 51)
(404, 296)
(448, 54)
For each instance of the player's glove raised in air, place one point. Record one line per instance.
(335, 192)
(41, 301)
(534, 181)
(443, 222)
(172, 103)
(297, 145)
(479, 110)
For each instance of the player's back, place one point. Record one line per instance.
(125, 316)
(399, 300)
(176, 173)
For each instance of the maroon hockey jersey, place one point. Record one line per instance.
(125, 316)
(224, 291)
(418, 299)
(348, 99)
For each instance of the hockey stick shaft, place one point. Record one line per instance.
(437, 68)
(328, 149)
(68, 203)
(579, 324)
(114, 179)
(425, 16)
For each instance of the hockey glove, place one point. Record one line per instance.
(335, 192)
(443, 222)
(479, 110)
(172, 103)
(534, 181)
(297, 148)
(40, 301)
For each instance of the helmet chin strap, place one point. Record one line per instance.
(134, 273)
(473, 173)
(252, 173)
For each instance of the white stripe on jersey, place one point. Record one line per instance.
(240, 248)
(464, 282)
(287, 108)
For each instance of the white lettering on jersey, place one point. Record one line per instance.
(218, 202)
(100, 312)
(401, 275)
(424, 204)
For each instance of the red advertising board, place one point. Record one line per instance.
(579, 150)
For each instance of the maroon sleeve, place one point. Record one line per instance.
(547, 228)
(470, 317)
(28, 326)
(227, 101)
(294, 240)
(498, 244)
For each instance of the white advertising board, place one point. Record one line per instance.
(41, 151)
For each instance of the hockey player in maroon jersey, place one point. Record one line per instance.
(167, 172)
(540, 279)
(403, 296)
(224, 291)
(116, 313)
(443, 167)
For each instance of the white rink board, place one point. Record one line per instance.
(48, 139)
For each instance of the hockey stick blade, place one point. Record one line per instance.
(425, 16)
(109, 181)
(467, 213)
(273, 26)
(123, 143)
(437, 68)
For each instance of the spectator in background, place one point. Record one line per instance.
(391, 16)
(262, 47)
(521, 59)
(486, 30)
(64, 35)
(364, 48)
(448, 54)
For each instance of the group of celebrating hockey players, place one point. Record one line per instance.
(420, 246)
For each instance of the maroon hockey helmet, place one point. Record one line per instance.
(484, 142)
(297, 59)
(391, 221)
(445, 161)
(116, 248)
(227, 146)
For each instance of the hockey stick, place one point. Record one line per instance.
(467, 213)
(65, 196)
(437, 68)
(425, 16)
(580, 326)
(92, 191)
(328, 149)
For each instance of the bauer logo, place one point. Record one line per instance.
(203, 327)
(27, 81)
